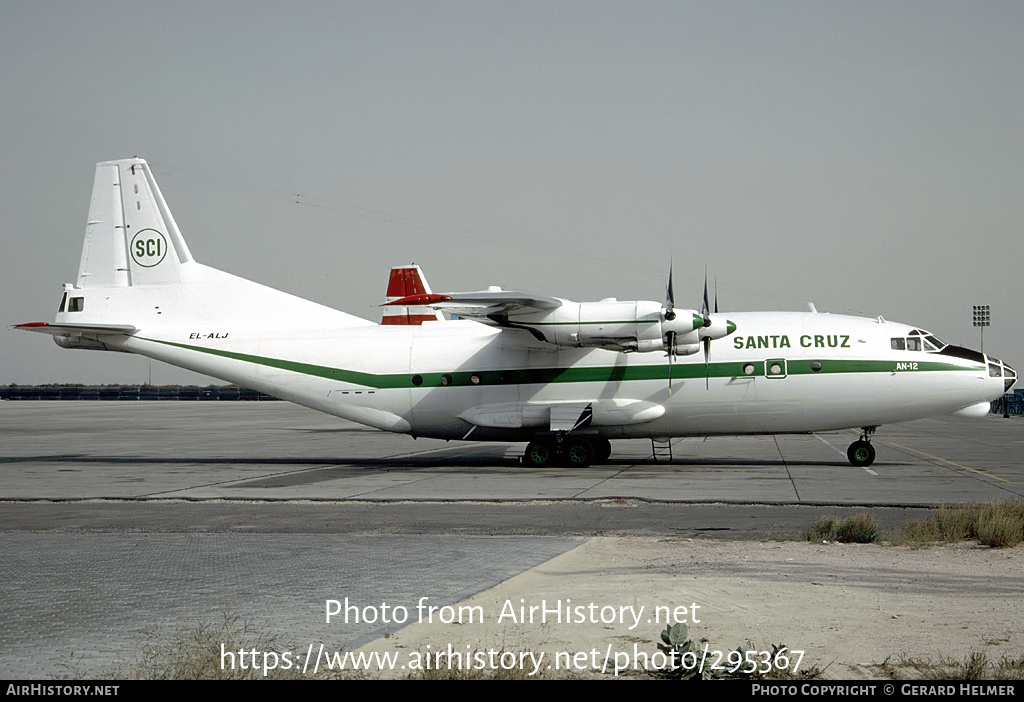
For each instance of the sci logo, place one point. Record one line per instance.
(148, 247)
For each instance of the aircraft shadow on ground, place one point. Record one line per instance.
(414, 462)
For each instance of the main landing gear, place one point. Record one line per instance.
(568, 451)
(861, 453)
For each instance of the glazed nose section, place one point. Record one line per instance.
(998, 369)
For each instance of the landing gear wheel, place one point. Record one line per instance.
(538, 454)
(578, 453)
(602, 450)
(861, 454)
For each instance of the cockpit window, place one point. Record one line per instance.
(918, 340)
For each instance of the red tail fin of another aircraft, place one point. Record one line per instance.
(403, 282)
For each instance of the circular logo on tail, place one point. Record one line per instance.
(148, 247)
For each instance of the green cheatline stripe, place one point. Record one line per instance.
(373, 380)
(591, 374)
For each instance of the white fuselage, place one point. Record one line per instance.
(464, 379)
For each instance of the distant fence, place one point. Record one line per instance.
(178, 393)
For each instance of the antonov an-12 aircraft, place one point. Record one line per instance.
(565, 377)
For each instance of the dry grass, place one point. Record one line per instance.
(196, 653)
(998, 524)
(974, 666)
(858, 529)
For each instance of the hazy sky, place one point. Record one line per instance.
(866, 156)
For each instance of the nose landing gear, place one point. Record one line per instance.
(861, 453)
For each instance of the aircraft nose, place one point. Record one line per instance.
(1009, 376)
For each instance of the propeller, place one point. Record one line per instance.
(714, 328)
(707, 340)
(670, 315)
(670, 298)
(694, 331)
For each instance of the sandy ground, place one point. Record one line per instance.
(847, 606)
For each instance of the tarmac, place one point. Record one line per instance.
(124, 522)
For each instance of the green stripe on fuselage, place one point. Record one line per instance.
(570, 374)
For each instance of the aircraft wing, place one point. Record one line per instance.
(615, 325)
(489, 306)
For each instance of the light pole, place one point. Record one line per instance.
(982, 319)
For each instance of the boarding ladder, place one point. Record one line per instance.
(661, 450)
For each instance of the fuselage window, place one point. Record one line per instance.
(899, 344)
(76, 304)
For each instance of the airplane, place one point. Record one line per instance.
(566, 377)
(406, 281)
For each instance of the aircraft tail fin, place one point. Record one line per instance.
(403, 282)
(136, 272)
(131, 238)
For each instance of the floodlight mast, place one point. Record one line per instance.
(982, 319)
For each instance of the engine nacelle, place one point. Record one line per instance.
(610, 324)
(686, 349)
(683, 329)
(635, 325)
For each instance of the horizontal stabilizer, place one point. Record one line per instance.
(76, 329)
